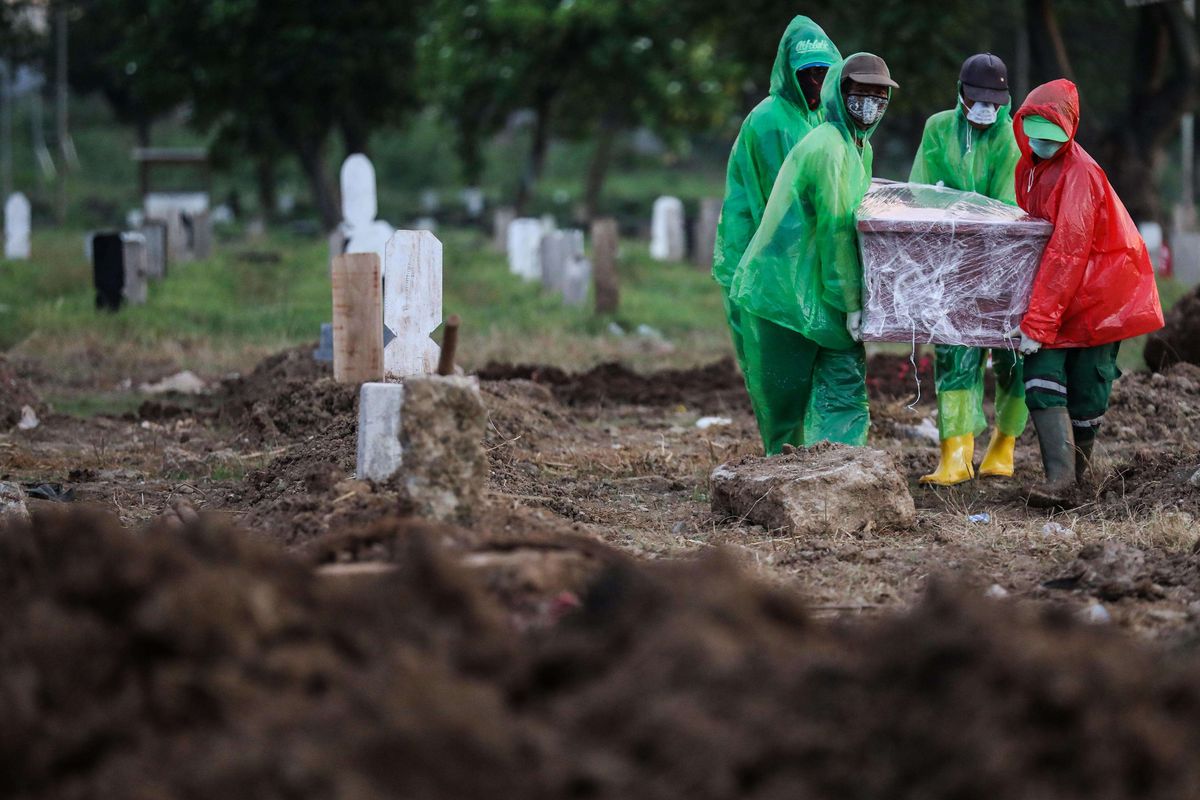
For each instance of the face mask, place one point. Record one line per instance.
(866, 108)
(1044, 148)
(981, 113)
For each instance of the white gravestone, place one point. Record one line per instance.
(501, 219)
(565, 266)
(16, 226)
(180, 211)
(363, 233)
(667, 242)
(133, 251)
(380, 412)
(473, 201)
(704, 238)
(524, 245)
(155, 232)
(412, 303)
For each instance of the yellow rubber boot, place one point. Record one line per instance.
(955, 466)
(998, 460)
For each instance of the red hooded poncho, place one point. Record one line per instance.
(1095, 284)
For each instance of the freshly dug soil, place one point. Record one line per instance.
(1148, 407)
(15, 392)
(891, 376)
(197, 664)
(1179, 339)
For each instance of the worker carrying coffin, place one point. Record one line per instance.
(972, 148)
(790, 112)
(799, 283)
(1094, 287)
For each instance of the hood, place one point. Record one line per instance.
(1057, 101)
(834, 105)
(803, 45)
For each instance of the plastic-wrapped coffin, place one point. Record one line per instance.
(945, 267)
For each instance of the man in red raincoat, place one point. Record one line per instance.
(1094, 287)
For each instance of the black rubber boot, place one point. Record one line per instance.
(1083, 459)
(1057, 442)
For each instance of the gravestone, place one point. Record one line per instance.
(524, 248)
(473, 201)
(704, 234)
(412, 303)
(1185, 258)
(179, 210)
(605, 244)
(565, 268)
(155, 232)
(501, 219)
(667, 237)
(108, 269)
(363, 233)
(431, 201)
(133, 257)
(549, 223)
(16, 226)
(202, 233)
(324, 351)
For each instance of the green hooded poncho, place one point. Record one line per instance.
(768, 134)
(967, 159)
(802, 268)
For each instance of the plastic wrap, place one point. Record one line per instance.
(942, 266)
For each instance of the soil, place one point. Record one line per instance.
(200, 663)
(15, 394)
(598, 631)
(1179, 339)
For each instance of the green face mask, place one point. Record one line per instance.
(1044, 148)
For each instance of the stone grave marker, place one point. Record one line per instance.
(1185, 258)
(704, 233)
(108, 269)
(605, 244)
(324, 351)
(412, 303)
(565, 268)
(202, 234)
(133, 258)
(524, 248)
(473, 201)
(363, 233)
(155, 232)
(17, 219)
(501, 219)
(357, 316)
(667, 238)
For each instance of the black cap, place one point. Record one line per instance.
(868, 68)
(985, 79)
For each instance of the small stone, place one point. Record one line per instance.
(1195, 479)
(29, 419)
(996, 592)
(1095, 614)
(12, 505)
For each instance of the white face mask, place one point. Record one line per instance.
(866, 108)
(981, 113)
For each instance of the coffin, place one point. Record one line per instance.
(942, 266)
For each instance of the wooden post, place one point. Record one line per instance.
(605, 242)
(449, 345)
(357, 318)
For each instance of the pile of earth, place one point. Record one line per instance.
(198, 664)
(894, 377)
(1179, 339)
(1148, 407)
(15, 393)
(288, 395)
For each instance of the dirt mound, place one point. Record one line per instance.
(1179, 340)
(15, 392)
(892, 376)
(288, 395)
(198, 664)
(1147, 407)
(712, 388)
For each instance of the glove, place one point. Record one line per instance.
(854, 325)
(1027, 346)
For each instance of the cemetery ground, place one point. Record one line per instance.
(597, 630)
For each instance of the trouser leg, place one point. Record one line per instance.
(958, 375)
(1090, 375)
(838, 410)
(779, 374)
(1011, 412)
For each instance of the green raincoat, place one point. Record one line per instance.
(965, 158)
(768, 134)
(799, 277)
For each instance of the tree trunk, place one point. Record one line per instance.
(537, 152)
(264, 177)
(1047, 51)
(598, 168)
(312, 160)
(1163, 88)
(355, 136)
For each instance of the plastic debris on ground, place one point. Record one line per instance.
(927, 430)
(982, 518)
(29, 419)
(996, 592)
(186, 382)
(1095, 614)
(711, 422)
(1055, 529)
(945, 267)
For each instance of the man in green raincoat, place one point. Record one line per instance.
(799, 283)
(972, 148)
(772, 129)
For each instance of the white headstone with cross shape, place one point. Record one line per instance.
(16, 226)
(364, 233)
(412, 303)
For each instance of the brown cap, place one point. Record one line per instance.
(869, 69)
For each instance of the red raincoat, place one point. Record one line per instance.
(1095, 284)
